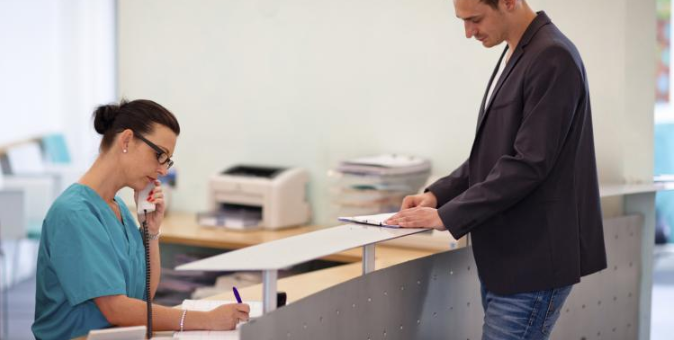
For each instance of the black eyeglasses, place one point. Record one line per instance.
(162, 156)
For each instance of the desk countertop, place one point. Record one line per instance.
(182, 228)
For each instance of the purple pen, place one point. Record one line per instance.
(236, 294)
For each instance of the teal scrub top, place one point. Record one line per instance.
(85, 252)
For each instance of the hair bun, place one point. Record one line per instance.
(104, 117)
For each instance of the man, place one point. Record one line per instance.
(528, 194)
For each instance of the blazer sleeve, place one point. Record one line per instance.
(448, 187)
(553, 87)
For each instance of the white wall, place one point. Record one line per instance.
(311, 82)
(57, 63)
(29, 65)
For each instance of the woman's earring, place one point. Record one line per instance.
(124, 151)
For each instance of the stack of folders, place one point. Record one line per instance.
(374, 185)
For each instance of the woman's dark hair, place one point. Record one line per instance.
(137, 115)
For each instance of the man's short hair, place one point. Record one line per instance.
(492, 3)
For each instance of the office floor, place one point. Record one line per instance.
(21, 307)
(21, 300)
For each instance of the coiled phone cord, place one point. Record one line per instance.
(146, 243)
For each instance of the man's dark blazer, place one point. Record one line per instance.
(528, 194)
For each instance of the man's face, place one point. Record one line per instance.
(485, 23)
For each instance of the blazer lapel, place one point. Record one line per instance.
(540, 21)
(486, 93)
(506, 72)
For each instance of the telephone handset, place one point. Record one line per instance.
(144, 207)
(143, 204)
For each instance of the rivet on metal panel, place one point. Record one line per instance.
(369, 299)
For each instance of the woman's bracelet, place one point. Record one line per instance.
(151, 236)
(182, 320)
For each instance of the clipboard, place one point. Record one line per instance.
(371, 220)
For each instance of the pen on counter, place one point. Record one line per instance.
(236, 294)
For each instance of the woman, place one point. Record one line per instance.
(91, 263)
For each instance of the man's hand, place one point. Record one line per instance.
(426, 199)
(419, 217)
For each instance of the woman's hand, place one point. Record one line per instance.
(154, 219)
(226, 317)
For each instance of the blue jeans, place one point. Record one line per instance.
(525, 316)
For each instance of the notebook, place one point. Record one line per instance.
(374, 220)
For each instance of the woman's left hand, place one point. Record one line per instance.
(154, 219)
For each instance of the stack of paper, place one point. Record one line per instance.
(388, 164)
(377, 184)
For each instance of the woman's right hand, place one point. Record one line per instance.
(226, 317)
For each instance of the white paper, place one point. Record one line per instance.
(118, 333)
(388, 161)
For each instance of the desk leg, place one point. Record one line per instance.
(368, 258)
(644, 204)
(269, 281)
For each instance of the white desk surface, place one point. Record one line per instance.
(298, 249)
(609, 190)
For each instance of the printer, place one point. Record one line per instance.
(249, 197)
